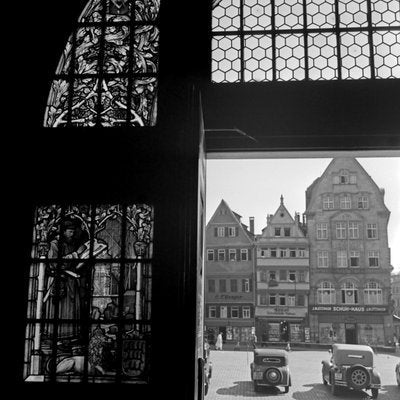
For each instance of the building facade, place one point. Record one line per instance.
(229, 277)
(349, 257)
(395, 284)
(282, 274)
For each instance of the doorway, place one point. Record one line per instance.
(351, 333)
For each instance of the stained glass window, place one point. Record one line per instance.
(89, 298)
(108, 72)
(293, 40)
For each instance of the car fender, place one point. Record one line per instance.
(285, 376)
(375, 377)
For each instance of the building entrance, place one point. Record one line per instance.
(351, 333)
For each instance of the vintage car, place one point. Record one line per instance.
(397, 371)
(351, 366)
(270, 368)
(207, 367)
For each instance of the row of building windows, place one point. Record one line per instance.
(349, 293)
(229, 312)
(346, 259)
(228, 255)
(287, 300)
(282, 252)
(226, 231)
(346, 230)
(344, 202)
(246, 285)
(283, 275)
(282, 231)
(344, 178)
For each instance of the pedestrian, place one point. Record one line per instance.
(218, 344)
(253, 340)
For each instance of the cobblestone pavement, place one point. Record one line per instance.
(231, 378)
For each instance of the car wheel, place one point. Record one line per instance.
(375, 393)
(273, 376)
(358, 377)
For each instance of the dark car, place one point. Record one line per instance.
(397, 371)
(270, 368)
(351, 366)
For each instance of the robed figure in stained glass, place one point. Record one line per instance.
(69, 291)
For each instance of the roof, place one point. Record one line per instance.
(271, 352)
(358, 347)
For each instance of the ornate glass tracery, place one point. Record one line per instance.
(292, 40)
(89, 300)
(108, 72)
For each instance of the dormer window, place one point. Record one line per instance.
(344, 177)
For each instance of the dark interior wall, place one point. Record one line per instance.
(156, 165)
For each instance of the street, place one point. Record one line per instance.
(231, 378)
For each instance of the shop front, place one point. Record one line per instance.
(281, 324)
(350, 324)
(233, 332)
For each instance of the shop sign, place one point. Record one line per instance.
(227, 297)
(307, 337)
(356, 309)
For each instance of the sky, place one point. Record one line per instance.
(253, 187)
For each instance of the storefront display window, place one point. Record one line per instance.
(371, 334)
(273, 332)
(295, 333)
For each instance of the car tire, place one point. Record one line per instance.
(358, 377)
(375, 393)
(269, 373)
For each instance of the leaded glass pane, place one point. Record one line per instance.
(387, 54)
(355, 55)
(290, 57)
(385, 12)
(257, 14)
(289, 14)
(111, 57)
(258, 58)
(321, 13)
(284, 40)
(322, 57)
(91, 267)
(353, 13)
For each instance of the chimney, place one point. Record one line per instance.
(268, 219)
(251, 223)
(297, 218)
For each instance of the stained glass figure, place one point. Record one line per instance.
(89, 300)
(108, 72)
(293, 40)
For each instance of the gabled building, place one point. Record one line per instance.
(229, 277)
(282, 271)
(349, 256)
